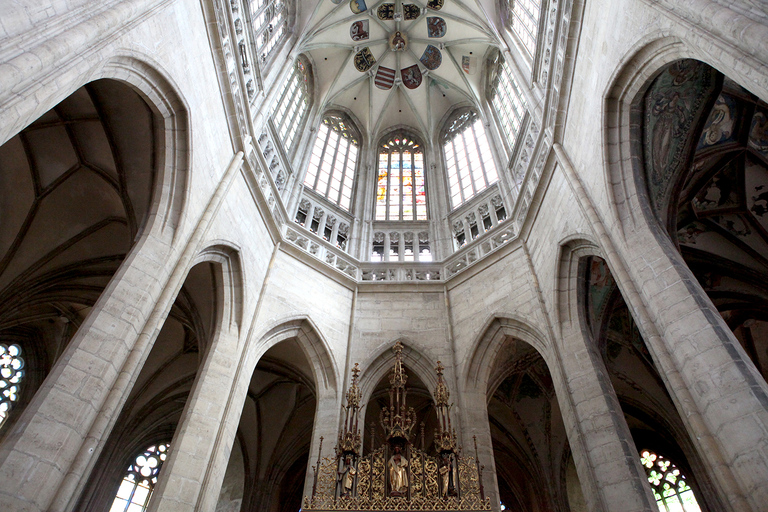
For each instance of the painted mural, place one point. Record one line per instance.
(719, 128)
(758, 132)
(674, 105)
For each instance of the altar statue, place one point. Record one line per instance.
(398, 473)
(346, 477)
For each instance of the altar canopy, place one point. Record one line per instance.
(398, 475)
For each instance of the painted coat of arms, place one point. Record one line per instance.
(359, 30)
(436, 26)
(364, 60)
(357, 6)
(411, 11)
(386, 11)
(411, 76)
(385, 77)
(431, 58)
(435, 4)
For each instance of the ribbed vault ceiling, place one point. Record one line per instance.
(456, 38)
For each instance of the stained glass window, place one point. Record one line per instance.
(669, 486)
(331, 169)
(400, 191)
(268, 19)
(508, 102)
(524, 21)
(468, 159)
(11, 375)
(140, 479)
(293, 105)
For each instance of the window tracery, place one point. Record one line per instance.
(269, 22)
(401, 191)
(139, 482)
(468, 159)
(332, 163)
(669, 485)
(523, 20)
(293, 106)
(11, 375)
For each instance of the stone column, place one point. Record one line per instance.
(63, 428)
(719, 394)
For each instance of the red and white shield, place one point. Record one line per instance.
(385, 77)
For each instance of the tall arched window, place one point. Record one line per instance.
(140, 479)
(269, 22)
(11, 374)
(293, 106)
(331, 169)
(401, 192)
(468, 159)
(523, 19)
(507, 99)
(669, 486)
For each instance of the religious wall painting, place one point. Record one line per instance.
(385, 78)
(600, 286)
(386, 12)
(689, 234)
(431, 58)
(357, 6)
(723, 191)
(756, 186)
(674, 104)
(435, 4)
(411, 12)
(359, 30)
(720, 126)
(758, 132)
(436, 27)
(364, 60)
(411, 76)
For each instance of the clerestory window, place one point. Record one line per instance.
(524, 21)
(507, 100)
(269, 22)
(669, 485)
(293, 105)
(11, 375)
(468, 159)
(400, 191)
(139, 481)
(331, 169)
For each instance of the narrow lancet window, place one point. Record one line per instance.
(401, 192)
(507, 101)
(269, 22)
(139, 482)
(468, 159)
(331, 169)
(11, 375)
(524, 21)
(293, 106)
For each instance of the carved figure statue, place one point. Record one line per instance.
(398, 473)
(447, 476)
(346, 477)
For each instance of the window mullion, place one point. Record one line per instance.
(480, 157)
(333, 163)
(389, 182)
(322, 159)
(400, 177)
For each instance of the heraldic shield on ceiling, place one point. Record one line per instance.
(397, 475)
